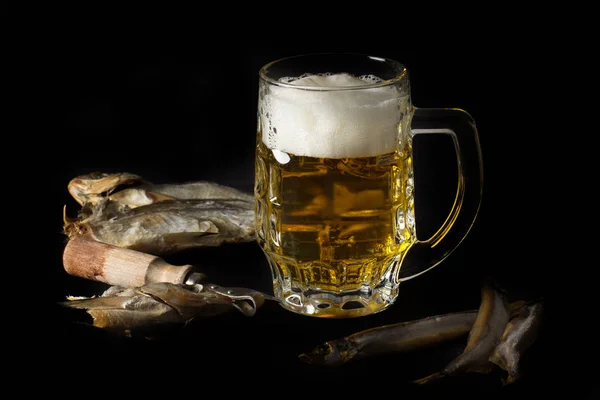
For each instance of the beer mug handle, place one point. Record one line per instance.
(426, 254)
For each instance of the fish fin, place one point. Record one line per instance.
(68, 220)
(510, 379)
(72, 226)
(156, 197)
(184, 237)
(167, 243)
(429, 378)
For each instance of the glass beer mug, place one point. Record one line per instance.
(334, 182)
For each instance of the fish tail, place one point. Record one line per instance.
(510, 379)
(72, 226)
(430, 378)
(497, 359)
(99, 303)
(77, 303)
(305, 358)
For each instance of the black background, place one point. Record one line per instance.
(175, 108)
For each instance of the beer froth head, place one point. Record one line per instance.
(333, 116)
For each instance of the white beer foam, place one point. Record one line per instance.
(327, 123)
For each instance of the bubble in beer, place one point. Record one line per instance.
(332, 116)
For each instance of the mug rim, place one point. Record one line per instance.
(388, 82)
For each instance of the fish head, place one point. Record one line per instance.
(91, 188)
(188, 303)
(330, 353)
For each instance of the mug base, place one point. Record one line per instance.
(325, 304)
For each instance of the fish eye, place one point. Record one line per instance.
(324, 348)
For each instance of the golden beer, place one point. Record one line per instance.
(337, 225)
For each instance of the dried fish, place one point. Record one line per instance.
(126, 309)
(159, 219)
(492, 318)
(171, 226)
(402, 337)
(133, 191)
(520, 333)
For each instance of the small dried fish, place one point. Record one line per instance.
(520, 333)
(159, 219)
(126, 309)
(492, 318)
(133, 191)
(402, 337)
(171, 226)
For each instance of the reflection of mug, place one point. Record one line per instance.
(334, 182)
